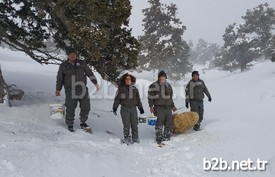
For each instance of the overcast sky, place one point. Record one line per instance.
(205, 19)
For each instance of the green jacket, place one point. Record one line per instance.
(79, 70)
(195, 90)
(160, 95)
(127, 96)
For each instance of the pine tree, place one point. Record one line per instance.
(204, 52)
(91, 26)
(237, 51)
(260, 22)
(249, 41)
(162, 45)
(271, 48)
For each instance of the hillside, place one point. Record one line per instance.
(239, 124)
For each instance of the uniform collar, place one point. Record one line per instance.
(72, 63)
(196, 81)
(163, 83)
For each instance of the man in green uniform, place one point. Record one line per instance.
(195, 91)
(160, 97)
(72, 74)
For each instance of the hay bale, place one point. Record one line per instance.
(185, 121)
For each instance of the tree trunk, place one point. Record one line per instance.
(3, 87)
(2, 83)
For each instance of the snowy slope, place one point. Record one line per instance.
(239, 124)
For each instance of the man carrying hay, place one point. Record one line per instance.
(195, 91)
(160, 96)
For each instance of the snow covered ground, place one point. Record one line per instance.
(239, 124)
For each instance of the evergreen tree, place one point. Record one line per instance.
(162, 45)
(272, 48)
(237, 51)
(204, 52)
(97, 28)
(260, 22)
(249, 41)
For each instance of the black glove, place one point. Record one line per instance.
(186, 105)
(141, 111)
(209, 99)
(114, 111)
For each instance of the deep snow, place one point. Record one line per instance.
(239, 124)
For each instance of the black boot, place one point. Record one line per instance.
(127, 140)
(135, 137)
(159, 141)
(197, 127)
(84, 125)
(136, 140)
(71, 128)
(159, 135)
(167, 135)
